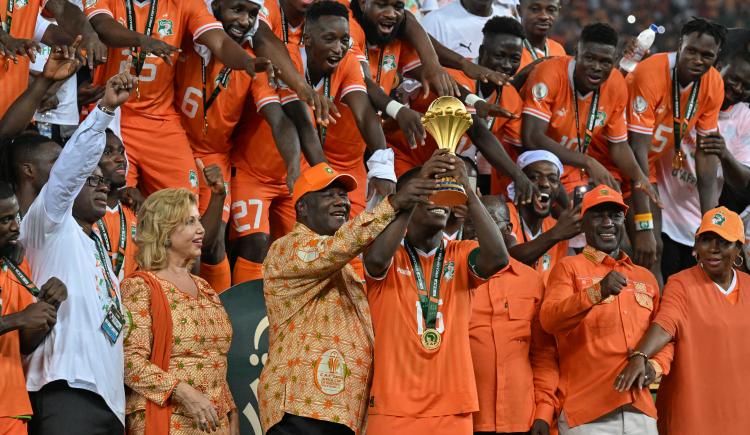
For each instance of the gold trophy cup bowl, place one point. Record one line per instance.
(447, 120)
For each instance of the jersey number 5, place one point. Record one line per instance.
(661, 138)
(148, 72)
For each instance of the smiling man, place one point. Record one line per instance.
(598, 304)
(670, 95)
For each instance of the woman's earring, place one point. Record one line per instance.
(742, 261)
(168, 243)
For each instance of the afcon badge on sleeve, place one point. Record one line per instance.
(639, 104)
(539, 91)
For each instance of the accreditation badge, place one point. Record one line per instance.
(113, 323)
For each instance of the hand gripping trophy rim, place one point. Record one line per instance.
(447, 120)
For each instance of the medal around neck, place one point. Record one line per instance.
(447, 120)
(431, 339)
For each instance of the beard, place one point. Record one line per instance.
(372, 34)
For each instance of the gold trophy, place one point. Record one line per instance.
(447, 120)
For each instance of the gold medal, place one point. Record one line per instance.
(431, 339)
(677, 159)
(138, 90)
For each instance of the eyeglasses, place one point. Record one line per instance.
(97, 180)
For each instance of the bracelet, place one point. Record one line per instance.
(108, 110)
(637, 353)
(392, 108)
(472, 99)
(644, 222)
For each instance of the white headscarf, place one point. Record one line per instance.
(528, 157)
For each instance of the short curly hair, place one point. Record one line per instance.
(160, 214)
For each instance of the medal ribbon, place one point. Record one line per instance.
(22, 277)
(498, 95)
(285, 28)
(327, 92)
(139, 60)
(681, 123)
(118, 258)
(588, 134)
(107, 278)
(222, 79)
(429, 302)
(532, 50)
(380, 63)
(9, 16)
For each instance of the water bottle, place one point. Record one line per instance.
(642, 44)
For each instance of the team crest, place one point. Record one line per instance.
(546, 261)
(193, 177)
(21, 3)
(718, 219)
(90, 3)
(132, 231)
(639, 104)
(164, 28)
(539, 91)
(449, 270)
(389, 62)
(601, 118)
(330, 372)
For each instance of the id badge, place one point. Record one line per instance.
(113, 323)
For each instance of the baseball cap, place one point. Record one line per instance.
(319, 177)
(724, 222)
(602, 194)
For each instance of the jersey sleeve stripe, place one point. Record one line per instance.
(268, 100)
(616, 139)
(352, 88)
(205, 28)
(512, 141)
(289, 98)
(639, 129)
(705, 132)
(536, 113)
(96, 12)
(411, 65)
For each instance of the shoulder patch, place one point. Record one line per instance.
(539, 91)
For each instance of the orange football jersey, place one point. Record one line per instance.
(272, 15)
(554, 49)
(113, 242)
(175, 21)
(14, 77)
(548, 95)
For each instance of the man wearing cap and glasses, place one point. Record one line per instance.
(317, 376)
(598, 304)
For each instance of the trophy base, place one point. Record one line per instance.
(450, 193)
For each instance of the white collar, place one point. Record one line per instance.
(732, 285)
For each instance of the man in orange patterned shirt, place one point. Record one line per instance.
(317, 377)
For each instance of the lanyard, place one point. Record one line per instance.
(681, 122)
(107, 278)
(222, 80)
(499, 90)
(118, 258)
(380, 63)
(584, 146)
(139, 60)
(532, 50)
(9, 16)
(429, 302)
(22, 277)
(327, 93)
(285, 27)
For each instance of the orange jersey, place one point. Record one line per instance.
(175, 21)
(112, 220)
(554, 49)
(594, 334)
(223, 114)
(650, 108)
(515, 361)
(14, 77)
(272, 15)
(550, 258)
(14, 297)
(548, 95)
(409, 380)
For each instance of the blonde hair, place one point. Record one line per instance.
(158, 217)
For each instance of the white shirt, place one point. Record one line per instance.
(678, 189)
(459, 30)
(76, 350)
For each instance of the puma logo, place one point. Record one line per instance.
(467, 47)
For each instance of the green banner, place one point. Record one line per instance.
(247, 310)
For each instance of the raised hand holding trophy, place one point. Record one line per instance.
(447, 120)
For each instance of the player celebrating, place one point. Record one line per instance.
(670, 95)
(434, 390)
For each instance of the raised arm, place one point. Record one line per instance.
(81, 154)
(568, 225)
(308, 135)
(231, 54)
(286, 138)
(72, 20)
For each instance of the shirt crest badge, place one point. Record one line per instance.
(718, 219)
(389, 62)
(164, 28)
(539, 91)
(449, 270)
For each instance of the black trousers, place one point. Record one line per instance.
(62, 410)
(675, 257)
(295, 425)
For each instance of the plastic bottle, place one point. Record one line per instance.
(644, 41)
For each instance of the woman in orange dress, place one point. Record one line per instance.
(179, 336)
(705, 313)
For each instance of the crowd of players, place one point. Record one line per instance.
(235, 100)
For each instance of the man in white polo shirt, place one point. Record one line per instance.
(681, 215)
(75, 377)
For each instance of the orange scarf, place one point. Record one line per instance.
(157, 417)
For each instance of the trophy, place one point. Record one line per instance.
(447, 120)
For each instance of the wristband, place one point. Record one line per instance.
(381, 165)
(644, 222)
(636, 353)
(472, 99)
(108, 110)
(392, 108)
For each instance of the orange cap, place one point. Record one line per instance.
(724, 222)
(599, 195)
(319, 177)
